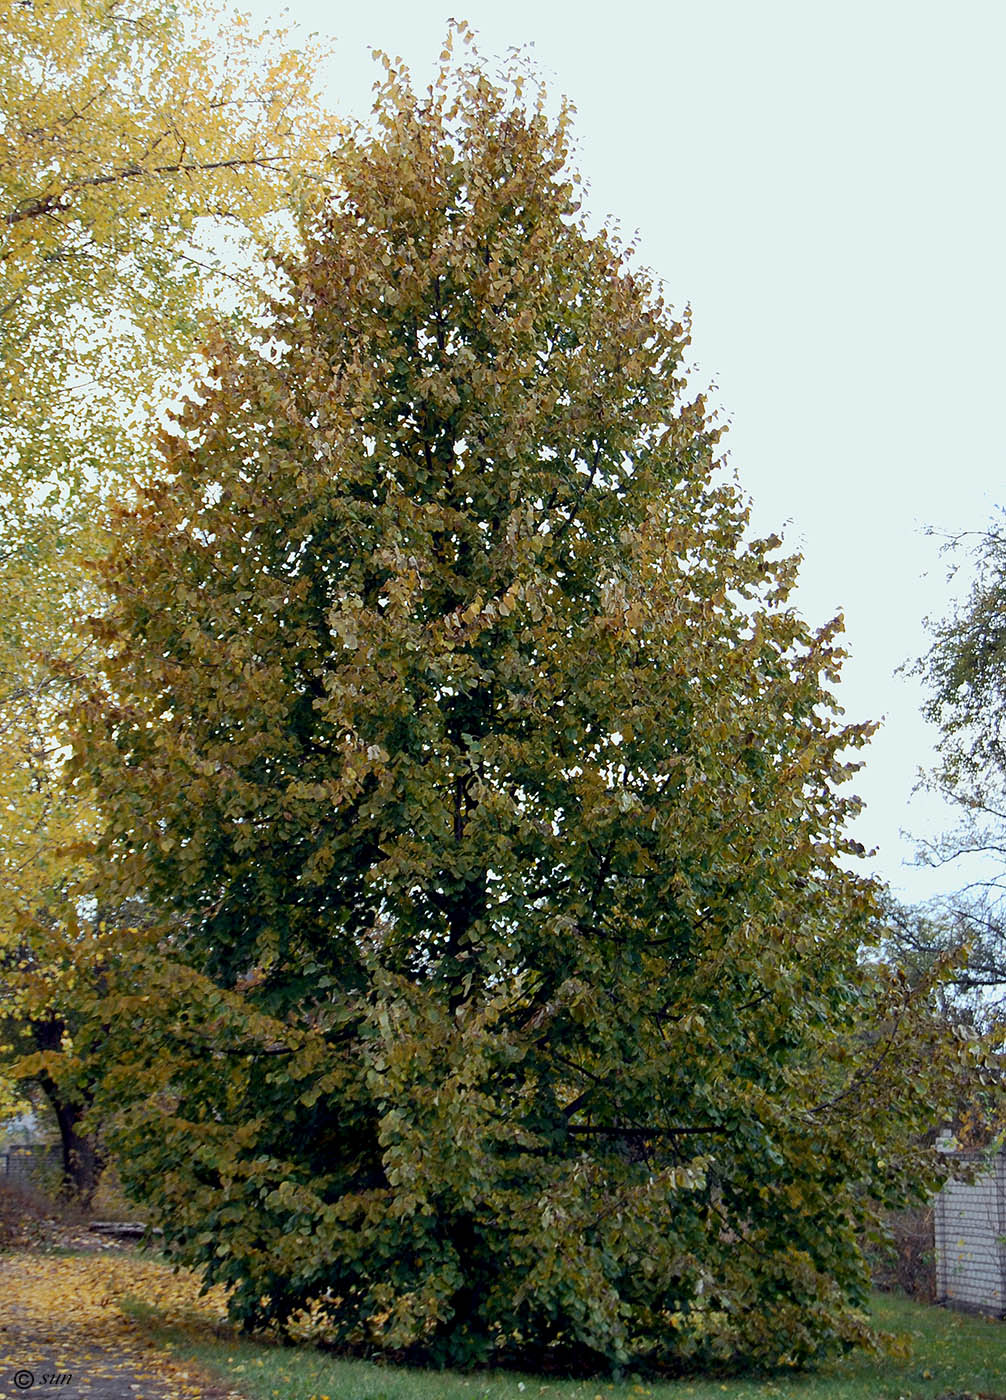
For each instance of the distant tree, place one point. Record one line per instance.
(43, 1027)
(508, 1002)
(46, 976)
(932, 946)
(965, 669)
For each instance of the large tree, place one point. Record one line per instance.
(507, 1000)
(130, 142)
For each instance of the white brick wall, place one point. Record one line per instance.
(970, 1231)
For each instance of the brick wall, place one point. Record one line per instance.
(970, 1235)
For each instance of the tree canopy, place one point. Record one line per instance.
(506, 1001)
(127, 130)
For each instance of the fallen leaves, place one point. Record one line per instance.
(66, 1309)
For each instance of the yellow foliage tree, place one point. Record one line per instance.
(141, 162)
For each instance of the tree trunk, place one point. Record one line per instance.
(82, 1159)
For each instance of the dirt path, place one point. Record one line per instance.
(62, 1331)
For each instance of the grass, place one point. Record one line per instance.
(951, 1356)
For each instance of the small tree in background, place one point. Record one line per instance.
(963, 670)
(507, 1004)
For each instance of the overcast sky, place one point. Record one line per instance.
(823, 185)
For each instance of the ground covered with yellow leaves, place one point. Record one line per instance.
(63, 1330)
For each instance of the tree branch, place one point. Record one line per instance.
(50, 203)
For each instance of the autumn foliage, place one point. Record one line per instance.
(130, 145)
(506, 1002)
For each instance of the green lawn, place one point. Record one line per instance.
(951, 1356)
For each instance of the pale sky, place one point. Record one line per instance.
(823, 184)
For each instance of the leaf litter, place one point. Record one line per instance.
(62, 1314)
